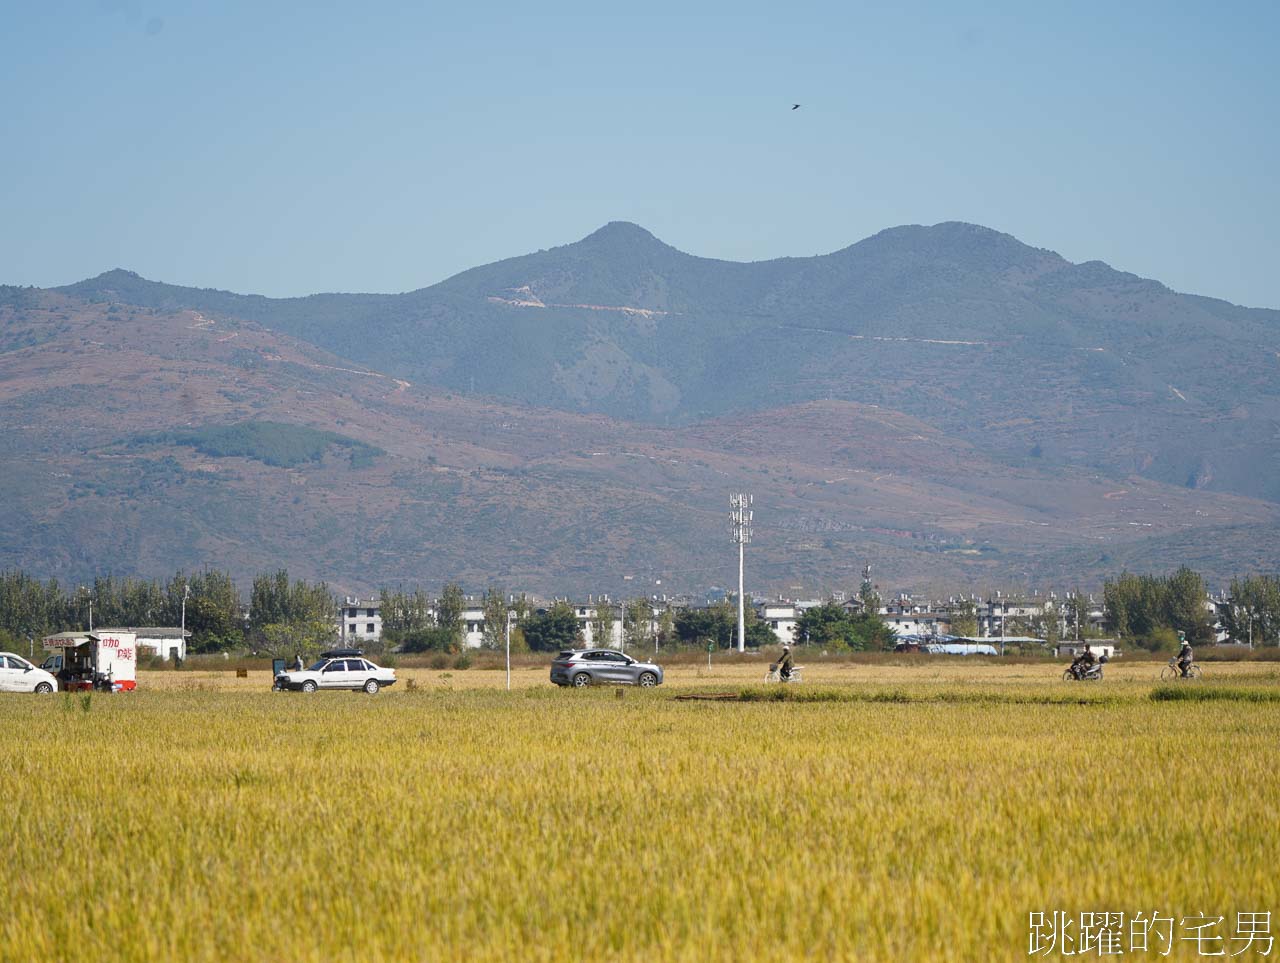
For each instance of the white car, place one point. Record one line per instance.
(19, 675)
(341, 669)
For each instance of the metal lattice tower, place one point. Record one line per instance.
(740, 514)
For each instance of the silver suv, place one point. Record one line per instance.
(582, 667)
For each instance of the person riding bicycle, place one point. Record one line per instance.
(784, 663)
(1185, 658)
(1082, 663)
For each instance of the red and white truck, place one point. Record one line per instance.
(105, 659)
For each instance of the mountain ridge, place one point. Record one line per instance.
(954, 323)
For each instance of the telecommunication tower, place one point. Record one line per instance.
(740, 513)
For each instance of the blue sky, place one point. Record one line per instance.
(287, 148)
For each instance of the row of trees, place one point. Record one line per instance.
(1253, 614)
(287, 617)
(284, 616)
(1150, 610)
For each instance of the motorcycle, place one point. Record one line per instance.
(1078, 672)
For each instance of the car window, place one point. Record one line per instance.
(336, 667)
(16, 663)
(357, 665)
(3, 664)
(612, 657)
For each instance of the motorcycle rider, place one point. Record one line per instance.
(1083, 663)
(1185, 656)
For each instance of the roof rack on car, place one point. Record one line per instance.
(341, 653)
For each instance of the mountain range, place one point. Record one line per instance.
(961, 409)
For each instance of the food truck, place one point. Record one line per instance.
(104, 659)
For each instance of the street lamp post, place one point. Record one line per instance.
(186, 594)
(88, 594)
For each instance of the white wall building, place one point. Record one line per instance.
(360, 620)
(164, 641)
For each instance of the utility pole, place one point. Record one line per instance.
(508, 650)
(741, 514)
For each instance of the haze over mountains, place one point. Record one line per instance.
(959, 407)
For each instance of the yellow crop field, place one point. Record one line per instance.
(918, 814)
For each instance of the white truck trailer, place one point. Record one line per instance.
(105, 659)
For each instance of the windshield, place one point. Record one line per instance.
(319, 665)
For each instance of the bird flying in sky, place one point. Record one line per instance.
(795, 106)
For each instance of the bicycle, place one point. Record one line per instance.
(775, 676)
(1173, 672)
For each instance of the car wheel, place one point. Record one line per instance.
(648, 680)
(371, 687)
(581, 680)
(309, 686)
(44, 688)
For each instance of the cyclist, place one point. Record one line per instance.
(784, 663)
(1185, 657)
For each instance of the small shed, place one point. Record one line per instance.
(164, 641)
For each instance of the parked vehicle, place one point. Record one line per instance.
(19, 675)
(1079, 673)
(583, 667)
(1173, 672)
(338, 669)
(105, 659)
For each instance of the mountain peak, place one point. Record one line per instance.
(621, 234)
(118, 274)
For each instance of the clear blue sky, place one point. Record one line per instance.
(291, 148)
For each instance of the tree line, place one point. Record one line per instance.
(284, 615)
(1150, 610)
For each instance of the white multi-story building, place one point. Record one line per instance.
(360, 620)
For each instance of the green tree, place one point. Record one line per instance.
(449, 611)
(553, 630)
(306, 638)
(637, 624)
(1149, 610)
(495, 619)
(1184, 604)
(429, 638)
(602, 625)
(1253, 610)
(964, 619)
(213, 614)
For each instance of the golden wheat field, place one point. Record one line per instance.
(920, 813)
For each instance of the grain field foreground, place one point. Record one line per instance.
(232, 823)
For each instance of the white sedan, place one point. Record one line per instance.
(333, 671)
(19, 675)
